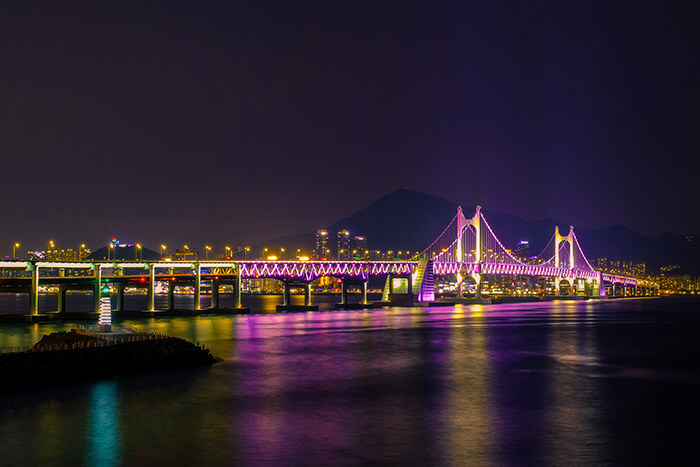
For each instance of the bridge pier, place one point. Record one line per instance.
(96, 289)
(151, 303)
(120, 296)
(477, 279)
(34, 291)
(307, 293)
(364, 292)
(62, 289)
(409, 287)
(171, 295)
(214, 294)
(344, 292)
(197, 287)
(287, 295)
(237, 299)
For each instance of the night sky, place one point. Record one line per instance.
(231, 123)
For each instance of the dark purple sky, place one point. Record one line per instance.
(234, 122)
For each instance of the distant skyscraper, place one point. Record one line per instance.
(359, 247)
(344, 252)
(321, 250)
(522, 249)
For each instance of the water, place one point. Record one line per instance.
(554, 383)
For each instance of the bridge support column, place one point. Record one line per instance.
(600, 283)
(34, 291)
(120, 296)
(344, 292)
(151, 303)
(96, 289)
(237, 299)
(214, 293)
(614, 289)
(557, 282)
(62, 289)
(307, 293)
(409, 288)
(171, 295)
(477, 279)
(287, 295)
(197, 287)
(364, 292)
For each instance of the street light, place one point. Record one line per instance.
(245, 254)
(227, 252)
(162, 251)
(109, 252)
(14, 247)
(137, 251)
(80, 251)
(207, 249)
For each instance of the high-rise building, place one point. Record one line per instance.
(344, 252)
(321, 251)
(522, 250)
(359, 248)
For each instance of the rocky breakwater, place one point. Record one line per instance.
(81, 355)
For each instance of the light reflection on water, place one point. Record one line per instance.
(535, 383)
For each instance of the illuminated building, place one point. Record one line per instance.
(321, 250)
(522, 249)
(344, 252)
(359, 248)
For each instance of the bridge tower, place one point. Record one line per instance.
(558, 240)
(476, 222)
(460, 253)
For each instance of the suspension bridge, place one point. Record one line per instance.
(467, 249)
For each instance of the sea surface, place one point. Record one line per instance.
(605, 382)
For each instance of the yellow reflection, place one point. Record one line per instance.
(470, 403)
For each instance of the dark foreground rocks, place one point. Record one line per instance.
(67, 356)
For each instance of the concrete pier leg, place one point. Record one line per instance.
(477, 279)
(237, 299)
(344, 293)
(171, 295)
(34, 292)
(96, 289)
(307, 294)
(151, 303)
(62, 289)
(364, 292)
(409, 287)
(120, 296)
(197, 287)
(214, 294)
(286, 295)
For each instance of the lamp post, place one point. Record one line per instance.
(227, 252)
(163, 249)
(14, 252)
(281, 253)
(137, 252)
(207, 249)
(109, 252)
(80, 251)
(245, 254)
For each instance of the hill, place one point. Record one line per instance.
(410, 220)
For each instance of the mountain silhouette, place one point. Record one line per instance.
(411, 220)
